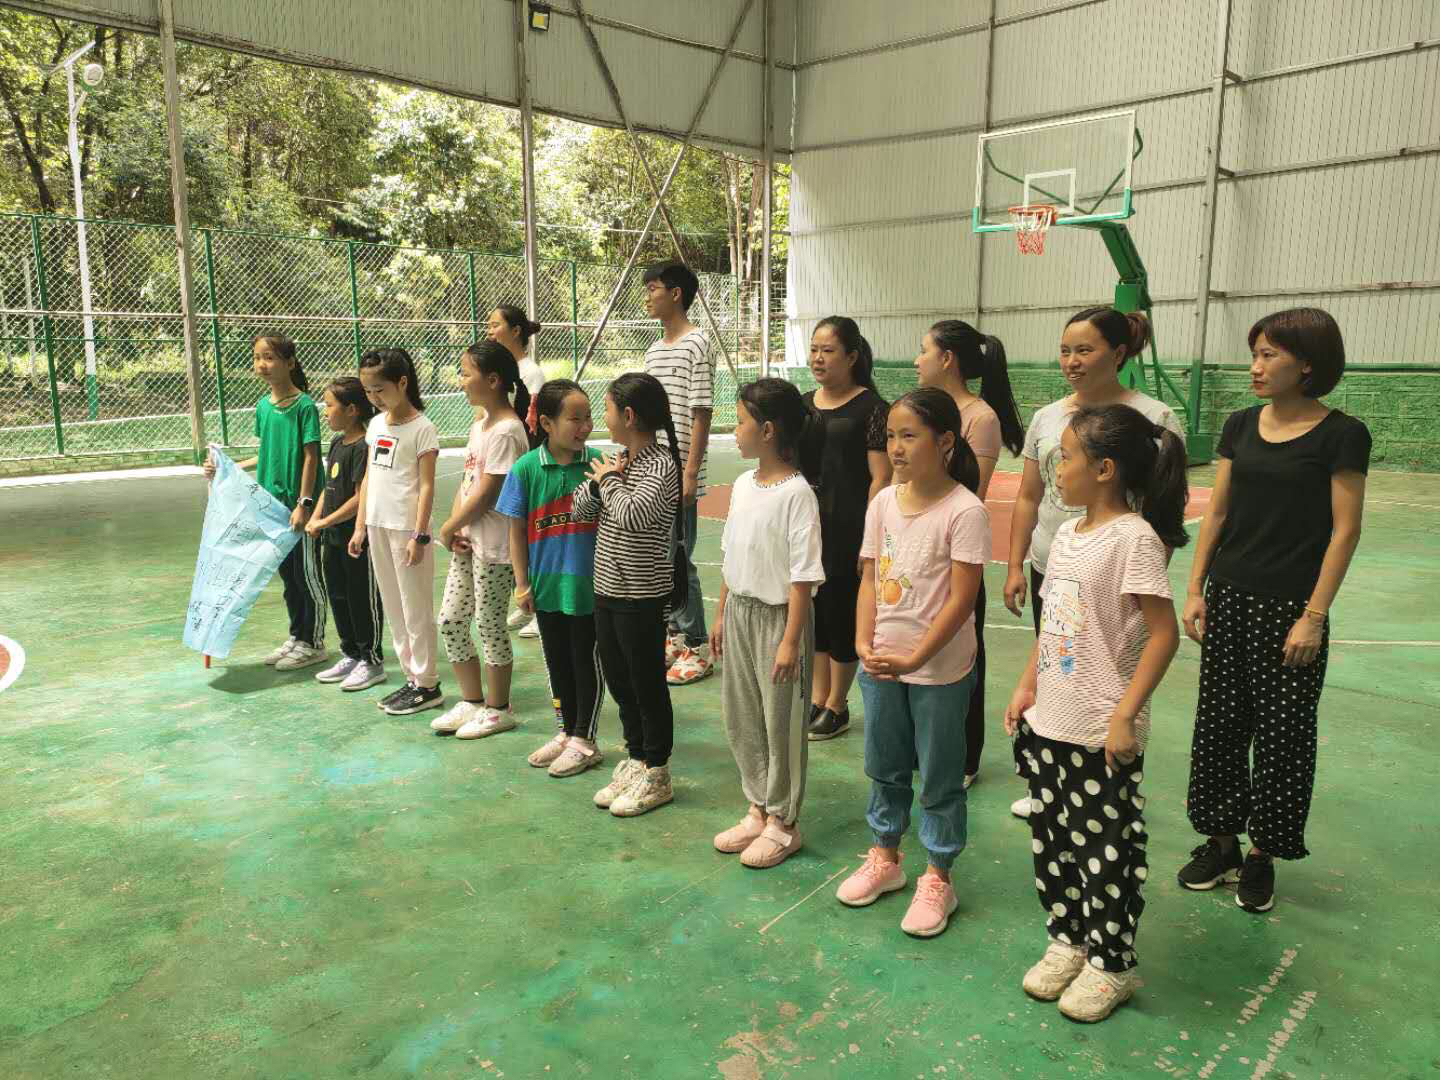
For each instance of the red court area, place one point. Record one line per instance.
(1003, 488)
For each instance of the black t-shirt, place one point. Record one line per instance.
(833, 457)
(1278, 523)
(344, 470)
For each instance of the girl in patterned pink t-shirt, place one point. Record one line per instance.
(1081, 712)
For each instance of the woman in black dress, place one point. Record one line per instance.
(843, 456)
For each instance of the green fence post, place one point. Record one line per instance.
(574, 320)
(354, 300)
(215, 338)
(474, 301)
(49, 330)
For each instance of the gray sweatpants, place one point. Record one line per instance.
(765, 722)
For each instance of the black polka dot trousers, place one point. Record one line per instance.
(1250, 703)
(1088, 835)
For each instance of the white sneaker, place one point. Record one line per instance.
(487, 721)
(455, 717)
(301, 656)
(1021, 807)
(280, 653)
(649, 790)
(674, 646)
(363, 677)
(1096, 993)
(530, 629)
(970, 778)
(626, 773)
(579, 755)
(1056, 970)
(338, 672)
(517, 620)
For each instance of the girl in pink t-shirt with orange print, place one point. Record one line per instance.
(1081, 712)
(926, 542)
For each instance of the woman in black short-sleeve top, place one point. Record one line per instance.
(1283, 523)
(842, 453)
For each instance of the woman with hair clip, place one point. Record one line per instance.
(953, 354)
(842, 453)
(1095, 346)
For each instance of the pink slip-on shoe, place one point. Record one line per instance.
(738, 837)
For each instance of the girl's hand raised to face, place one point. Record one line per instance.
(602, 467)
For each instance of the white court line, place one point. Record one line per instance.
(802, 900)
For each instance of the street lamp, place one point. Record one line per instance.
(91, 75)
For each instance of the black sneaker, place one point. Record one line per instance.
(416, 699)
(395, 695)
(815, 711)
(1257, 884)
(1211, 864)
(829, 724)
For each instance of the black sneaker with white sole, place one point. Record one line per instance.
(416, 699)
(1211, 864)
(1257, 884)
(829, 724)
(395, 695)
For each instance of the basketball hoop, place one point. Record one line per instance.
(1031, 223)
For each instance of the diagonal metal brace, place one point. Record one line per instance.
(659, 191)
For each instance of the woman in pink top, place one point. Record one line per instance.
(1081, 712)
(926, 543)
(953, 354)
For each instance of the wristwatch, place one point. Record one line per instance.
(421, 538)
(307, 502)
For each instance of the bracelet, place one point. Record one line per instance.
(1315, 611)
(520, 594)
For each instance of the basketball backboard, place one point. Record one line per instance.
(1081, 166)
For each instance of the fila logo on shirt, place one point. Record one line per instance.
(384, 455)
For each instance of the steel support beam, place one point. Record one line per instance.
(1212, 191)
(527, 169)
(767, 117)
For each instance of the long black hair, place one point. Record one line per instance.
(395, 364)
(348, 390)
(1153, 476)
(646, 397)
(937, 411)
(848, 331)
(1128, 330)
(982, 356)
(516, 318)
(550, 399)
(284, 348)
(779, 402)
(492, 358)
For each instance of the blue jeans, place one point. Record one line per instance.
(690, 620)
(910, 727)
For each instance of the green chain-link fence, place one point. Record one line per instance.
(334, 298)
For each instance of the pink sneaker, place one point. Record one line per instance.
(931, 906)
(877, 876)
(739, 837)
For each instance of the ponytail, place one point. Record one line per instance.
(518, 320)
(492, 358)
(1153, 476)
(284, 348)
(1127, 330)
(852, 341)
(394, 365)
(982, 356)
(937, 411)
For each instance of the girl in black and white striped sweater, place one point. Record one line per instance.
(635, 495)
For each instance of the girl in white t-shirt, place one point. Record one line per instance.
(1081, 713)
(764, 629)
(396, 498)
(926, 543)
(480, 580)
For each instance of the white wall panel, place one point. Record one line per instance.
(828, 27)
(1270, 34)
(917, 178)
(914, 268)
(922, 88)
(1379, 328)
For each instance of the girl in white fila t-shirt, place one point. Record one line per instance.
(1081, 713)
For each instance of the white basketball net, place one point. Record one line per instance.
(1031, 224)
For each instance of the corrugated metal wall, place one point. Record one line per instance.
(662, 55)
(890, 98)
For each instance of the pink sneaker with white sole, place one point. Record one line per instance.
(931, 907)
(877, 876)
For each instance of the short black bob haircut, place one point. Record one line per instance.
(1312, 336)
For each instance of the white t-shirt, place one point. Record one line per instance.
(771, 539)
(1042, 446)
(687, 371)
(491, 452)
(1092, 630)
(532, 375)
(912, 554)
(392, 473)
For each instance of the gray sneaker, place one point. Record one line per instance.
(301, 656)
(338, 671)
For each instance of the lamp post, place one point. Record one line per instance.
(91, 74)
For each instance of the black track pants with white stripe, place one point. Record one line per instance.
(355, 600)
(573, 661)
(304, 593)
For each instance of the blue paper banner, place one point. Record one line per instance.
(246, 537)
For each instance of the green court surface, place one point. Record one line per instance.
(239, 873)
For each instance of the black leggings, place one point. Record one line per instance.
(1036, 608)
(975, 717)
(630, 635)
(355, 600)
(573, 660)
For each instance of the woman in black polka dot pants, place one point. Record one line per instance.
(1088, 837)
